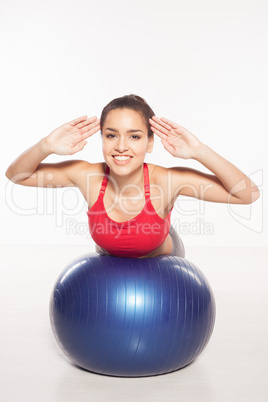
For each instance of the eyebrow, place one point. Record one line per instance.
(129, 131)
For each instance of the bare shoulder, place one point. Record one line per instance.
(163, 188)
(160, 174)
(175, 181)
(156, 172)
(87, 177)
(188, 182)
(85, 166)
(81, 170)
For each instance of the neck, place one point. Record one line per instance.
(128, 185)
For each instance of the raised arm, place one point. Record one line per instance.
(67, 139)
(227, 183)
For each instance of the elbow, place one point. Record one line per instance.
(15, 178)
(8, 174)
(247, 197)
(253, 196)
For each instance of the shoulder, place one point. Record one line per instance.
(159, 174)
(156, 170)
(84, 166)
(174, 181)
(80, 170)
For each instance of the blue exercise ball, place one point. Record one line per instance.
(132, 317)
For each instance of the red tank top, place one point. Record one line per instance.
(133, 238)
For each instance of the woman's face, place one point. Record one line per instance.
(125, 140)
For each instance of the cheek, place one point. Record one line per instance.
(144, 146)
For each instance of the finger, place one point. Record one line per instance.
(88, 126)
(160, 127)
(157, 120)
(85, 133)
(79, 147)
(91, 120)
(78, 120)
(171, 123)
(168, 147)
(158, 133)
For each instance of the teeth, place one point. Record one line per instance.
(121, 158)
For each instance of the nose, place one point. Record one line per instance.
(121, 144)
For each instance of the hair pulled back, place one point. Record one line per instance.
(133, 102)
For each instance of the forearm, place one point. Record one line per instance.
(25, 165)
(233, 180)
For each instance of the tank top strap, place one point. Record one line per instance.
(146, 181)
(105, 180)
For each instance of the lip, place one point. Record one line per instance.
(120, 163)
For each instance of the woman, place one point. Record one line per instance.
(129, 201)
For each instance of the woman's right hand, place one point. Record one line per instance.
(70, 137)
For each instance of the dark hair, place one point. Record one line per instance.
(133, 102)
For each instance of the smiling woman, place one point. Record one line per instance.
(130, 202)
(126, 144)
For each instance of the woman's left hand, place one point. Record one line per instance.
(177, 140)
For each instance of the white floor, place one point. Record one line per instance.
(233, 367)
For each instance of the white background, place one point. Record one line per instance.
(202, 64)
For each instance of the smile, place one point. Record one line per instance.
(122, 157)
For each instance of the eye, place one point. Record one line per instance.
(110, 135)
(136, 137)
